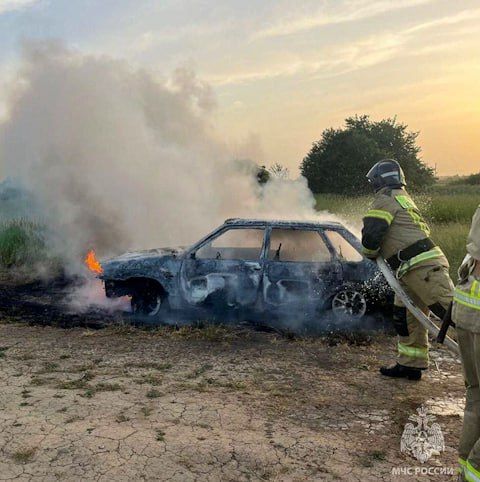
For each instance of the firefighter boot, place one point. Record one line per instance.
(401, 371)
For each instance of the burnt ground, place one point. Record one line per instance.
(43, 302)
(215, 403)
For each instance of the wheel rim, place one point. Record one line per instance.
(149, 306)
(350, 303)
(155, 306)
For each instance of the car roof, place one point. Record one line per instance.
(282, 223)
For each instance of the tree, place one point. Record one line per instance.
(338, 162)
(278, 171)
(263, 176)
(472, 180)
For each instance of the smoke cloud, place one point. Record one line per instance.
(118, 159)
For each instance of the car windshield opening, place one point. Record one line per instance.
(241, 244)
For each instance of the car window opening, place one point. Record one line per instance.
(298, 245)
(344, 249)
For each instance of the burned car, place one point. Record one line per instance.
(249, 269)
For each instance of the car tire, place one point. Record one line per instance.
(349, 302)
(149, 303)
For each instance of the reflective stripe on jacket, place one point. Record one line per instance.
(394, 223)
(466, 306)
(421, 258)
(470, 298)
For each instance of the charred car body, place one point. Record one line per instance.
(250, 268)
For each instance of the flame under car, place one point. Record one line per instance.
(251, 269)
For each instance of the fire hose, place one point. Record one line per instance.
(426, 321)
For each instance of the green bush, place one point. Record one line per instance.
(22, 242)
(472, 180)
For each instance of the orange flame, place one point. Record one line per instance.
(92, 262)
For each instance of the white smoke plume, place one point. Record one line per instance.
(118, 159)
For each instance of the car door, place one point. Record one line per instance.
(299, 268)
(226, 269)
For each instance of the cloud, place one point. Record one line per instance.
(338, 60)
(11, 5)
(150, 39)
(354, 11)
(361, 53)
(463, 16)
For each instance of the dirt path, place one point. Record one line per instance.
(212, 404)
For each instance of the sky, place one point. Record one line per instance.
(283, 71)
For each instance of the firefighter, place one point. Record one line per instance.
(466, 315)
(394, 229)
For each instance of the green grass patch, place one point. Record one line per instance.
(22, 242)
(449, 208)
(350, 208)
(454, 188)
(436, 207)
(452, 238)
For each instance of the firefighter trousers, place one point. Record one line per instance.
(469, 451)
(430, 288)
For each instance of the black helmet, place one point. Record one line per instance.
(386, 173)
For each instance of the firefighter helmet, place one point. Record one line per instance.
(386, 173)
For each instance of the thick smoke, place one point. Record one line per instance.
(118, 159)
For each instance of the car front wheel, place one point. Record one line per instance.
(349, 302)
(148, 303)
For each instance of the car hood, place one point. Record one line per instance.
(147, 254)
(141, 263)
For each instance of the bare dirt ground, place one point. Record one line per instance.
(214, 404)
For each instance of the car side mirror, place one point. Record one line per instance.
(192, 255)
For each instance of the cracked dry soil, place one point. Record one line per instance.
(215, 404)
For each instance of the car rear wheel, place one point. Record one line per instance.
(349, 302)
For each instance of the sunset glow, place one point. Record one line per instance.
(282, 72)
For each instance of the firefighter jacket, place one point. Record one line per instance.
(394, 229)
(466, 307)
(473, 240)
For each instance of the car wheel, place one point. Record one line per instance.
(349, 302)
(148, 303)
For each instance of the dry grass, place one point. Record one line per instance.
(153, 393)
(149, 378)
(24, 455)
